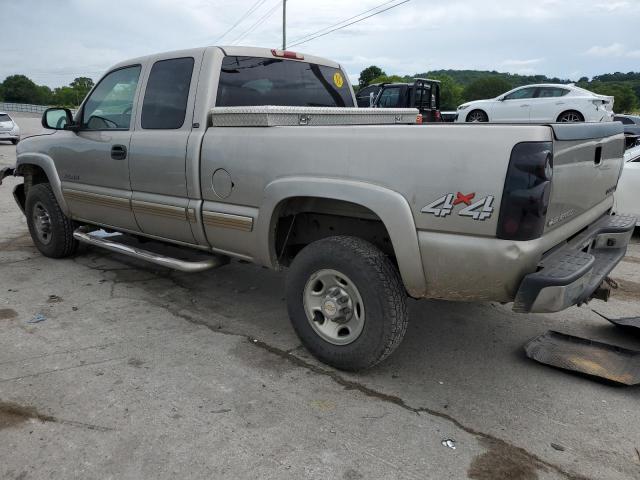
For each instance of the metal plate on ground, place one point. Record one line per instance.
(589, 357)
(630, 324)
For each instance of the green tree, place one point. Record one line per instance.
(388, 79)
(20, 89)
(66, 97)
(44, 96)
(450, 92)
(368, 74)
(487, 87)
(82, 85)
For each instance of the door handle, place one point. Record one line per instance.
(523, 106)
(118, 152)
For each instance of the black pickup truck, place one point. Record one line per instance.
(423, 94)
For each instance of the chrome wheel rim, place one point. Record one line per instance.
(570, 118)
(42, 223)
(334, 307)
(475, 117)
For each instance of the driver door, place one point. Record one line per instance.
(514, 107)
(94, 161)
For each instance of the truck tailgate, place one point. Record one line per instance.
(587, 161)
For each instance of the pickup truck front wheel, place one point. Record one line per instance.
(50, 229)
(346, 302)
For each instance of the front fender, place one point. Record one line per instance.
(391, 207)
(48, 166)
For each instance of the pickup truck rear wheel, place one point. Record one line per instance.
(346, 302)
(50, 229)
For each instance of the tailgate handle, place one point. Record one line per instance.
(598, 155)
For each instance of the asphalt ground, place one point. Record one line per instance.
(139, 372)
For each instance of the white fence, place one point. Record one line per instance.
(22, 107)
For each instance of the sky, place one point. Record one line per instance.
(54, 41)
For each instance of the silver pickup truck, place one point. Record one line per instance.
(260, 155)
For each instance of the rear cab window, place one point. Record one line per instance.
(5, 118)
(255, 81)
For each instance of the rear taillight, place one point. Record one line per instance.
(438, 116)
(527, 188)
(287, 54)
(419, 119)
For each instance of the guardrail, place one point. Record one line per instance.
(26, 108)
(22, 107)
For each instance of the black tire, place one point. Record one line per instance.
(15, 141)
(59, 241)
(570, 116)
(477, 116)
(379, 286)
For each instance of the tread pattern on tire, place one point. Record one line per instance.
(69, 244)
(393, 291)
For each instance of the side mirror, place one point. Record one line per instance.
(372, 100)
(501, 99)
(57, 118)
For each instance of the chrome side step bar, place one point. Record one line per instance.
(83, 235)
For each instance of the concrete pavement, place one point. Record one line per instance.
(139, 372)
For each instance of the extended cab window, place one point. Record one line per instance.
(111, 102)
(253, 81)
(166, 95)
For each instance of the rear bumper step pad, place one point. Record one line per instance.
(571, 273)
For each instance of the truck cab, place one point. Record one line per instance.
(423, 94)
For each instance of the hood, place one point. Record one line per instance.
(477, 102)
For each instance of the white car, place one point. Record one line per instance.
(9, 129)
(627, 197)
(544, 103)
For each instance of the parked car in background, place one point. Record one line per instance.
(9, 129)
(543, 103)
(422, 93)
(631, 124)
(627, 197)
(449, 116)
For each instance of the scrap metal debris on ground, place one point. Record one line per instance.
(589, 357)
(37, 318)
(630, 324)
(449, 443)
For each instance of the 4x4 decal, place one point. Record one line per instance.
(479, 210)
